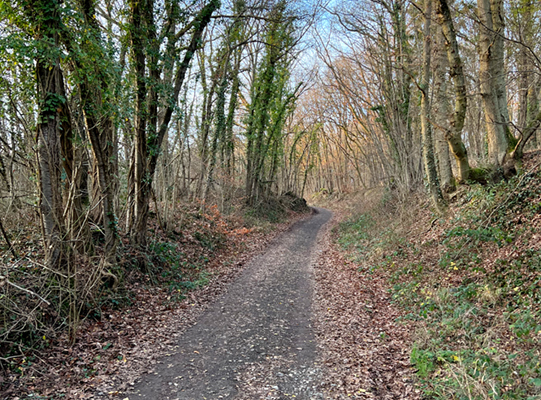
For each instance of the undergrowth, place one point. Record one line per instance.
(471, 285)
(42, 310)
(39, 307)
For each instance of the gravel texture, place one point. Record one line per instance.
(256, 341)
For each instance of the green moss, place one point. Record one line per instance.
(479, 175)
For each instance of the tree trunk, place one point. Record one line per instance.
(524, 65)
(147, 145)
(454, 134)
(440, 115)
(229, 144)
(219, 129)
(99, 126)
(490, 75)
(533, 107)
(51, 103)
(426, 129)
(138, 189)
(527, 81)
(530, 130)
(500, 67)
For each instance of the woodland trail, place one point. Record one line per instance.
(255, 341)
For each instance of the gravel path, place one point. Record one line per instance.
(256, 341)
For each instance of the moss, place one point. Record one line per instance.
(512, 140)
(480, 175)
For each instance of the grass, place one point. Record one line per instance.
(471, 284)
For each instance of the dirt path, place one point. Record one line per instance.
(256, 341)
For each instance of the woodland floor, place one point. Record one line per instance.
(297, 321)
(256, 341)
(364, 351)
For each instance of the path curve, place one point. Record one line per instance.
(256, 340)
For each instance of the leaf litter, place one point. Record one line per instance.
(364, 350)
(111, 353)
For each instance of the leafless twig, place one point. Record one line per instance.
(3, 278)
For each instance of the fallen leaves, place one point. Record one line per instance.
(110, 354)
(365, 352)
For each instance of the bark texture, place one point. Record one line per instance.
(50, 87)
(441, 111)
(454, 134)
(491, 74)
(426, 128)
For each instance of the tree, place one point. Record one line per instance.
(226, 76)
(522, 16)
(154, 104)
(441, 111)
(492, 78)
(270, 101)
(426, 128)
(53, 125)
(93, 71)
(453, 135)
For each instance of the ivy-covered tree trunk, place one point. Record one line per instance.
(226, 75)
(270, 100)
(219, 130)
(152, 123)
(257, 126)
(426, 128)
(49, 161)
(228, 147)
(45, 16)
(98, 120)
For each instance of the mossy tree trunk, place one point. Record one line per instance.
(453, 135)
(426, 128)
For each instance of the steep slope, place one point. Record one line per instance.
(468, 284)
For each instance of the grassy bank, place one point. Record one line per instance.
(469, 285)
